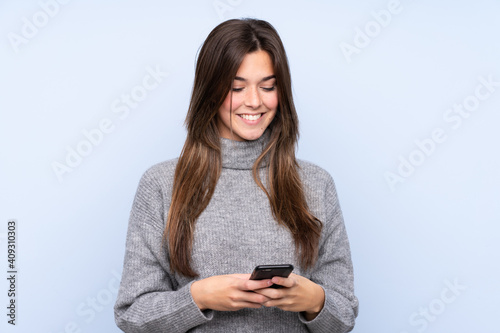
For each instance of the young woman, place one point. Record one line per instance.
(237, 197)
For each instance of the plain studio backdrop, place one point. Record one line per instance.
(398, 100)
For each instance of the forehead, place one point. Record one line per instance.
(256, 65)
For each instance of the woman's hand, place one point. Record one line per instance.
(298, 295)
(229, 292)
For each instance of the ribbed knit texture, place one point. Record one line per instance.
(235, 233)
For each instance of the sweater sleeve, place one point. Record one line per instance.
(334, 272)
(148, 299)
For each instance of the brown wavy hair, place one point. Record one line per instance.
(199, 164)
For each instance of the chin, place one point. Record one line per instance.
(251, 136)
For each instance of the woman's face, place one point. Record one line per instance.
(255, 99)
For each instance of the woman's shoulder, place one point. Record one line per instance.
(162, 168)
(160, 173)
(312, 173)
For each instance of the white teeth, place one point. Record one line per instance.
(250, 117)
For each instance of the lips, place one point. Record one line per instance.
(251, 117)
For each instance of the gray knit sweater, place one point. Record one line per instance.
(235, 233)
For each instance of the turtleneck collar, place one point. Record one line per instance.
(242, 154)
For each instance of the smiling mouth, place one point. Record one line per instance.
(250, 116)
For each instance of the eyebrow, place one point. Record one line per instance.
(267, 78)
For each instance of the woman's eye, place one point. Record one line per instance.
(237, 89)
(269, 88)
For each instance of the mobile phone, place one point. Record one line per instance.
(263, 272)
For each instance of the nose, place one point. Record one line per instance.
(252, 98)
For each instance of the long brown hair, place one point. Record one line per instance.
(199, 164)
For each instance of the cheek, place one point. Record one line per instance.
(227, 102)
(271, 101)
(224, 110)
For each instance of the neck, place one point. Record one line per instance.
(242, 154)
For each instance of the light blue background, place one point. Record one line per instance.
(359, 115)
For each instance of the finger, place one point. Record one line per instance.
(285, 282)
(238, 305)
(242, 305)
(270, 304)
(249, 297)
(257, 298)
(251, 305)
(271, 293)
(255, 284)
(278, 303)
(243, 282)
(241, 276)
